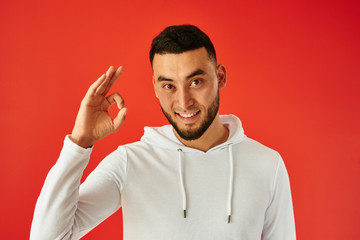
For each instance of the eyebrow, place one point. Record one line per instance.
(193, 74)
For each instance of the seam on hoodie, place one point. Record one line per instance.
(275, 179)
(126, 171)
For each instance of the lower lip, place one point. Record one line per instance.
(190, 119)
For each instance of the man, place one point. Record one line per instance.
(198, 178)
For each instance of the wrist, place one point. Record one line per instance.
(82, 141)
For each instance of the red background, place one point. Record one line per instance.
(293, 79)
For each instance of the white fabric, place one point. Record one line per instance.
(143, 178)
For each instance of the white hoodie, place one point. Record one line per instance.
(156, 179)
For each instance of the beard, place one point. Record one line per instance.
(193, 134)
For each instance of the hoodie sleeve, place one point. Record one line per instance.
(66, 210)
(279, 218)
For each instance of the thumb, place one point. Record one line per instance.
(119, 119)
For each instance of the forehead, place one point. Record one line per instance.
(179, 65)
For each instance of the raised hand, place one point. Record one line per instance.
(93, 121)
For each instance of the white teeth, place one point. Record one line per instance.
(188, 115)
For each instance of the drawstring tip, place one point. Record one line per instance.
(184, 213)
(229, 218)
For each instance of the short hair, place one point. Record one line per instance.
(181, 38)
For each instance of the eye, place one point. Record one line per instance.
(195, 82)
(168, 86)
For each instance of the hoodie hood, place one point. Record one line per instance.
(164, 137)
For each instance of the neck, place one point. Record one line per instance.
(215, 135)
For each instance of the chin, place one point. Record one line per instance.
(201, 125)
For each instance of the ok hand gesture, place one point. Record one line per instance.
(93, 121)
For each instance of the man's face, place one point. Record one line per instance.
(187, 86)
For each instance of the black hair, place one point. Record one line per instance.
(181, 38)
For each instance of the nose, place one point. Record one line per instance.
(185, 99)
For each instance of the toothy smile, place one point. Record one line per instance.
(188, 115)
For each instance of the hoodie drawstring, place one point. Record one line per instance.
(231, 181)
(181, 174)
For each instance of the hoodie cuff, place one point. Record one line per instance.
(68, 144)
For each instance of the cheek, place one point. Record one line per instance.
(208, 95)
(165, 100)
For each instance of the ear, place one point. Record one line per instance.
(155, 88)
(221, 75)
